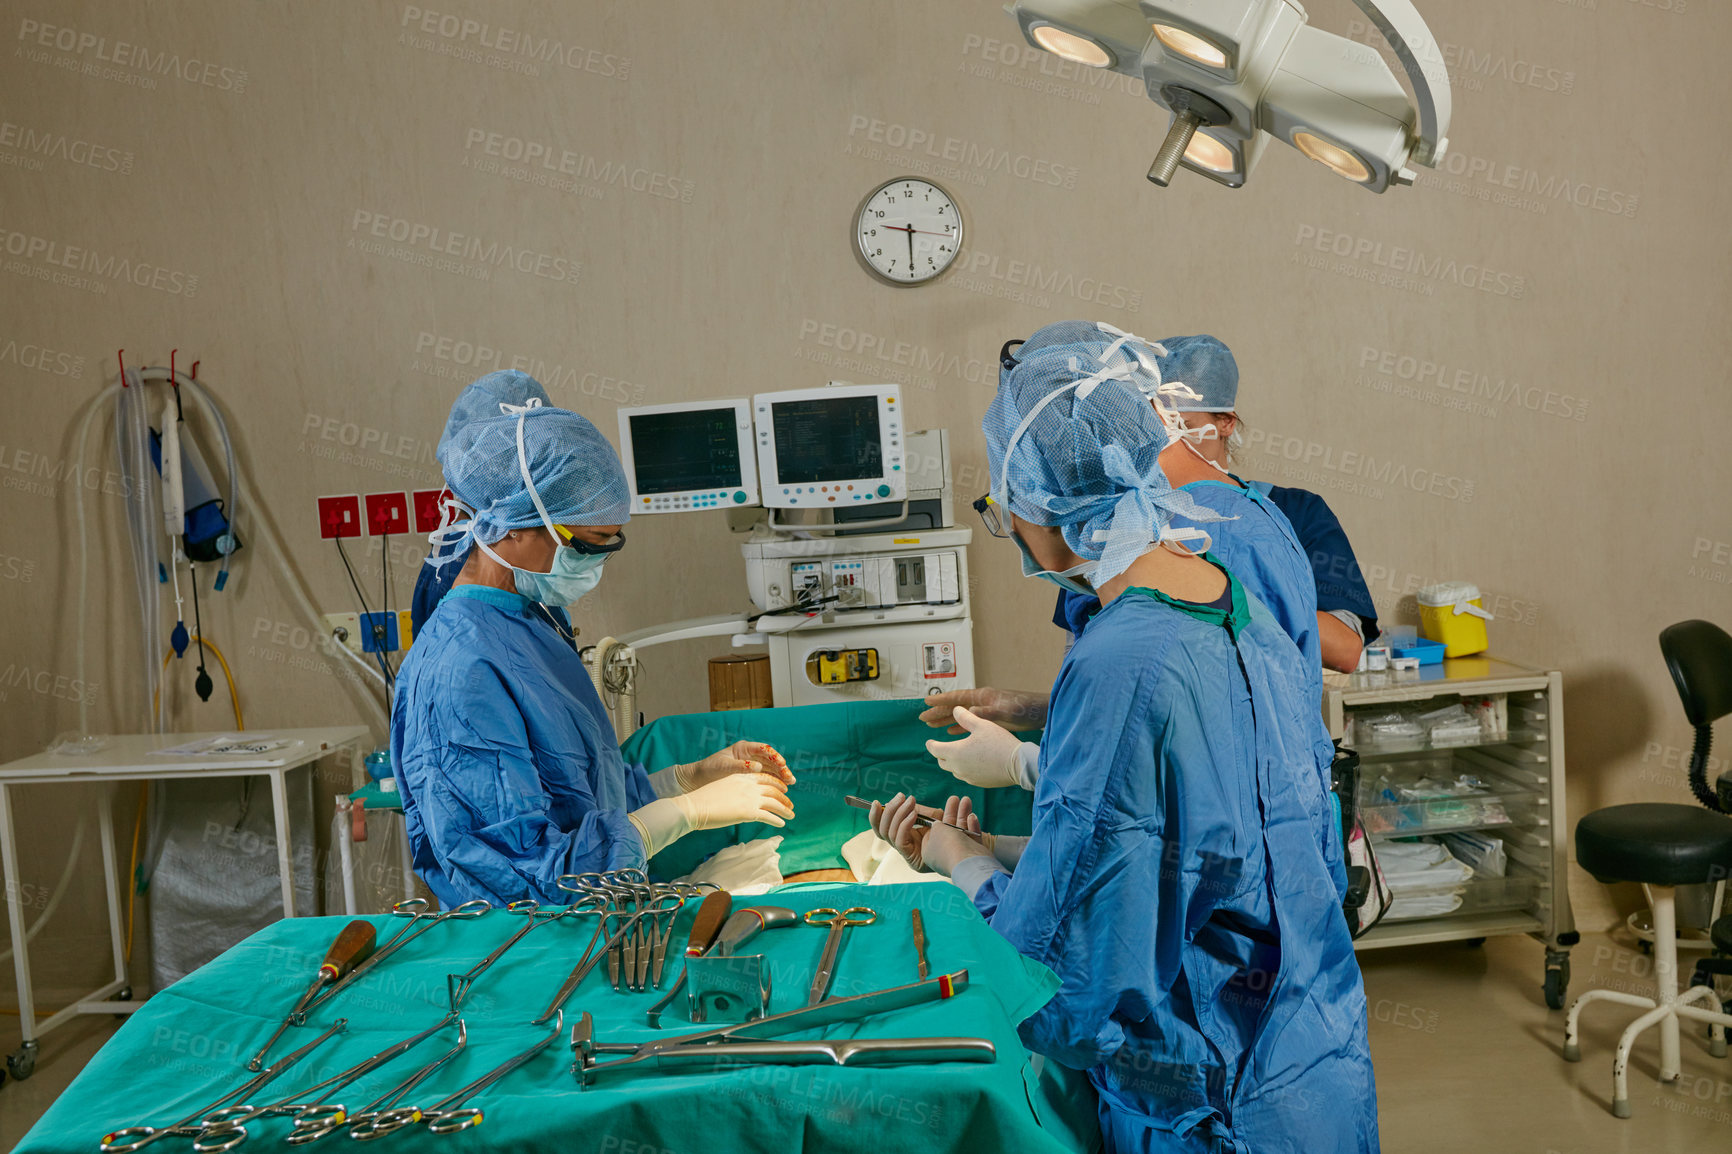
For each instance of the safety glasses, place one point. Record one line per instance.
(612, 545)
(988, 510)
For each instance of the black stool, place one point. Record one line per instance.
(1663, 846)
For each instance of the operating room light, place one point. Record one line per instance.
(1070, 46)
(1332, 156)
(1234, 75)
(1205, 151)
(1191, 46)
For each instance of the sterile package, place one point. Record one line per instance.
(1390, 725)
(1421, 798)
(1451, 724)
(228, 745)
(1426, 880)
(1484, 852)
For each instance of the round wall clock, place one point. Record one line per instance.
(908, 231)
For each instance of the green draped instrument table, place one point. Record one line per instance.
(188, 1044)
(871, 749)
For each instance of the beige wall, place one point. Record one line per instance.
(239, 148)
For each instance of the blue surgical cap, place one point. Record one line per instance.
(1088, 459)
(576, 472)
(1208, 367)
(481, 399)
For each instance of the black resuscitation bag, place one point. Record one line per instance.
(1368, 895)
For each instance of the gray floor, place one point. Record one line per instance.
(1466, 1054)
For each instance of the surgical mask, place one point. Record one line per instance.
(569, 578)
(1063, 578)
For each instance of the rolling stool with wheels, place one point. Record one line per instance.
(1720, 936)
(1663, 845)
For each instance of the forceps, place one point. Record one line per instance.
(457, 985)
(419, 923)
(377, 1118)
(449, 1115)
(225, 1129)
(838, 923)
(141, 1136)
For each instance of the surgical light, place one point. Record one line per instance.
(1331, 156)
(1070, 46)
(1189, 44)
(1205, 151)
(1235, 73)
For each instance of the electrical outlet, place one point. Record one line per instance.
(428, 511)
(378, 632)
(339, 517)
(387, 513)
(345, 630)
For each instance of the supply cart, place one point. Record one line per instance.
(1502, 778)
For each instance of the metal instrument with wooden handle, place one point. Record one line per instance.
(352, 946)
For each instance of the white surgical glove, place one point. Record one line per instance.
(735, 798)
(894, 821)
(989, 756)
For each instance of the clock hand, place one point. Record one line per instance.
(925, 231)
(911, 250)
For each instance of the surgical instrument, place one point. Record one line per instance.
(457, 985)
(449, 1115)
(225, 1129)
(351, 947)
(144, 1135)
(613, 948)
(924, 815)
(830, 1052)
(921, 966)
(419, 923)
(712, 914)
(825, 1013)
(378, 1117)
(839, 922)
(742, 926)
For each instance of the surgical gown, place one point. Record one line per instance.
(1175, 884)
(509, 769)
(1340, 581)
(1260, 548)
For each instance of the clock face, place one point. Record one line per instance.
(909, 231)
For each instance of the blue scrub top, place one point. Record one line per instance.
(1176, 884)
(509, 771)
(433, 582)
(1340, 582)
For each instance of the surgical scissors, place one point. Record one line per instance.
(225, 1129)
(419, 923)
(144, 1135)
(838, 923)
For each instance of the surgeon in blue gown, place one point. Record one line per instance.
(510, 773)
(479, 400)
(1247, 534)
(1173, 880)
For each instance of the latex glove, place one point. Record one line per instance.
(1014, 709)
(989, 756)
(894, 822)
(740, 757)
(736, 798)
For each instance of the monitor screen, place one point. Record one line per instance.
(683, 451)
(827, 440)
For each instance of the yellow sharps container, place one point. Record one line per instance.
(1451, 613)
